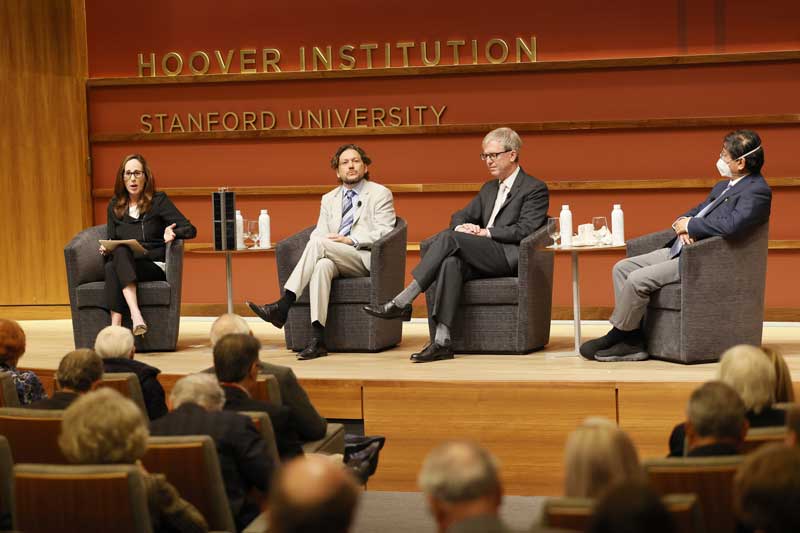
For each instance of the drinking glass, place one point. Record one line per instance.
(250, 233)
(554, 230)
(600, 226)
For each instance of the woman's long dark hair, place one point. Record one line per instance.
(122, 198)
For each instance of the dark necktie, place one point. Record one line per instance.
(675, 249)
(348, 212)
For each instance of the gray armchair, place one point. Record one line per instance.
(718, 303)
(349, 328)
(160, 301)
(505, 315)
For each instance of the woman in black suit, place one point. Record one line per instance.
(138, 212)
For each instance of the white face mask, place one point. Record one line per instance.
(725, 170)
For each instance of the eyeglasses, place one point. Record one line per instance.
(492, 156)
(133, 174)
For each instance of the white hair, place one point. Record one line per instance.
(459, 471)
(114, 341)
(227, 324)
(202, 389)
(751, 373)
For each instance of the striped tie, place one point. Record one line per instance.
(348, 212)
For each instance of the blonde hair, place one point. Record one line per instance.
(598, 455)
(751, 374)
(227, 324)
(103, 427)
(784, 392)
(114, 341)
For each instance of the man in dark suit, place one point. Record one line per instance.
(735, 205)
(243, 457)
(481, 242)
(78, 372)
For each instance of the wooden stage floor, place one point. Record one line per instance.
(521, 406)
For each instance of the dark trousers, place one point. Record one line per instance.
(123, 269)
(452, 259)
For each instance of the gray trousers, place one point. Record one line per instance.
(635, 279)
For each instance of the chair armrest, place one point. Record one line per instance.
(288, 252)
(174, 261)
(648, 243)
(535, 269)
(83, 260)
(388, 263)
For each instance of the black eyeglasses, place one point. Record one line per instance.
(491, 156)
(133, 174)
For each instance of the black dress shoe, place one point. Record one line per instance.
(433, 352)
(269, 313)
(389, 310)
(316, 348)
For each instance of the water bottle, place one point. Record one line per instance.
(263, 230)
(617, 226)
(566, 225)
(239, 230)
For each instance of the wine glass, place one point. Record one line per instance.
(250, 233)
(554, 230)
(600, 226)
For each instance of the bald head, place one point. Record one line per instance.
(312, 493)
(227, 324)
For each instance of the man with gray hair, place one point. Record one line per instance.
(462, 485)
(78, 372)
(716, 422)
(482, 241)
(197, 401)
(115, 345)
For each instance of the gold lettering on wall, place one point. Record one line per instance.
(206, 63)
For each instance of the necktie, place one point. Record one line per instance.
(675, 249)
(502, 193)
(348, 212)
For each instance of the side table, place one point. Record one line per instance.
(228, 263)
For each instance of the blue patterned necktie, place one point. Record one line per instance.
(348, 212)
(675, 249)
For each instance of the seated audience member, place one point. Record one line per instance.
(78, 372)
(12, 346)
(752, 375)
(597, 455)
(715, 421)
(115, 346)
(784, 392)
(310, 494)
(632, 507)
(197, 401)
(236, 365)
(793, 426)
(103, 427)
(462, 486)
(767, 490)
(307, 421)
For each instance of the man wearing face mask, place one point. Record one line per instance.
(736, 204)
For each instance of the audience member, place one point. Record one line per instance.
(78, 372)
(306, 420)
(312, 494)
(597, 455)
(103, 427)
(462, 485)
(12, 346)
(784, 392)
(236, 365)
(767, 490)
(197, 401)
(632, 507)
(715, 421)
(793, 426)
(115, 346)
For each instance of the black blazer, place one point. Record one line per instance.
(153, 392)
(243, 455)
(523, 212)
(149, 228)
(59, 401)
(304, 417)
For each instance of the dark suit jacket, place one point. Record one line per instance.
(152, 390)
(479, 524)
(243, 455)
(523, 212)
(713, 450)
(768, 417)
(746, 205)
(285, 435)
(60, 400)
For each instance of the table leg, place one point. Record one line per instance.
(229, 281)
(576, 302)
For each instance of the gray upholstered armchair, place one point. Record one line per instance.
(160, 301)
(718, 303)
(349, 328)
(505, 315)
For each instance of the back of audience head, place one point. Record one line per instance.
(631, 507)
(597, 455)
(12, 342)
(200, 389)
(311, 494)
(114, 341)
(784, 392)
(235, 356)
(460, 479)
(715, 413)
(103, 427)
(80, 370)
(767, 490)
(793, 426)
(751, 374)
(227, 324)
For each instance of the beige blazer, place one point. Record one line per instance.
(373, 219)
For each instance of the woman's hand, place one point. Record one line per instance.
(169, 233)
(103, 250)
